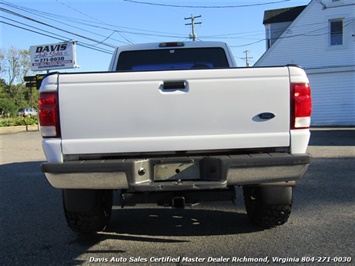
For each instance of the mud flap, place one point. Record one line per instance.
(276, 195)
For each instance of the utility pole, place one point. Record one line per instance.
(193, 36)
(246, 58)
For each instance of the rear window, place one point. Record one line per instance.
(169, 59)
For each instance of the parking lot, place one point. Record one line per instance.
(321, 226)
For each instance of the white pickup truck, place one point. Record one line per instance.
(174, 124)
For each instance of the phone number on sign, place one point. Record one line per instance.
(326, 259)
(51, 59)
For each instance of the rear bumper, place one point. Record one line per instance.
(174, 174)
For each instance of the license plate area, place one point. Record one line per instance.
(176, 171)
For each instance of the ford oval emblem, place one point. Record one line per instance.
(266, 116)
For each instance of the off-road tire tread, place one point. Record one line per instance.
(86, 223)
(94, 221)
(264, 215)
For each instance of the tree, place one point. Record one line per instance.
(15, 64)
(7, 106)
(1, 62)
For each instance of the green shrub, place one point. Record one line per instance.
(18, 121)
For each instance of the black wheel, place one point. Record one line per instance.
(87, 211)
(268, 207)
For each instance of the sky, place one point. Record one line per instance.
(100, 26)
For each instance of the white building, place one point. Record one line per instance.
(320, 37)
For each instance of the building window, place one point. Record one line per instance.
(336, 32)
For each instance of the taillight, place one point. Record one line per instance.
(49, 114)
(301, 105)
(171, 44)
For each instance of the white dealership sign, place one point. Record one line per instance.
(53, 56)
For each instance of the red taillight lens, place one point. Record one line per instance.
(301, 105)
(171, 44)
(48, 114)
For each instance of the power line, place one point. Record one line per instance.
(16, 26)
(247, 44)
(96, 20)
(118, 29)
(42, 31)
(109, 27)
(54, 27)
(62, 38)
(305, 34)
(54, 37)
(189, 6)
(140, 31)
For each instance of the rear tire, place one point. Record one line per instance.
(268, 207)
(87, 211)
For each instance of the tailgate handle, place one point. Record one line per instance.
(175, 85)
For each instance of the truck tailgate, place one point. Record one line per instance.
(159, 111)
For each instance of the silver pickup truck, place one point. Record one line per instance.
(175, 123)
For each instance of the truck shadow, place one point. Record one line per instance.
(170, 226)
(179, 222)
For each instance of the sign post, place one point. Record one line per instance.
(53, 56)
(34, 81)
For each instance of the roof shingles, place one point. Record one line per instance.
(282, 14)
